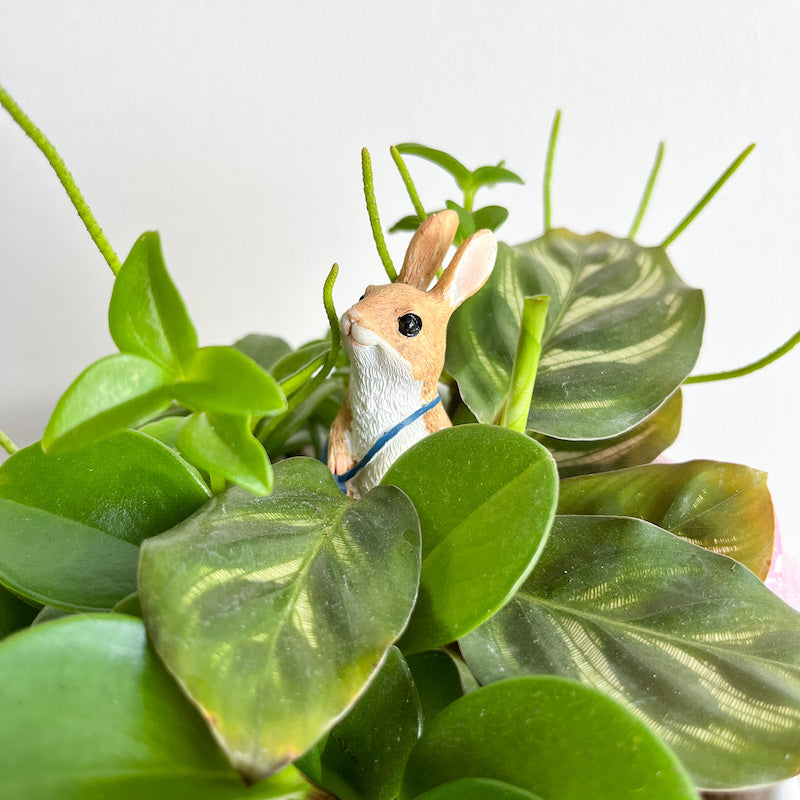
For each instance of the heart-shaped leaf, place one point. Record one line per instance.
(146, 315)
(274, 613)
(623, 332)
(640, 445)
(485, 498)
(551, 737)
(726, 508)
(89, 713)
(691, 641)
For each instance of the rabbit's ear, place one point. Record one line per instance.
(469, 270)
(427, 249)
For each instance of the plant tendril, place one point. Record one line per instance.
(7, 444)
(648, 190)
(410, 188)
(706, 198)
(374, 219)
(64, 176)
(548, 167)
(746, 370)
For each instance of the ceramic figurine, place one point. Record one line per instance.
(395, 337)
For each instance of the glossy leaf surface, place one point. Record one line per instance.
(623, 332)
(551, 737)
(723, 507)
(437, 679)
(366, 752)
(146, 315)
(14, 613)
(274, 613)
(477, 789)
(640, 445)
(115, 392)
(223, 444)
(485, 498)
(226, 381)
(692, 641)
(89, 713)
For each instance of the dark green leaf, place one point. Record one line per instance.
(477, 789)
(640, 445)
(275, 612)
(723, 507)
(367, 751)
(225, 381)
(489, 176)
(265, 350)
(623, 332)
(551, 737)
(146, 315)
(127, 485)
(437, 679)
(691, 641)
(14, 613)
(485, 498)
(441, 159)
(491, 217)
(89, 714)
(49, 613)
(116, 392)
(223, 444)
(294, 369)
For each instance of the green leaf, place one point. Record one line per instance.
(437, 679)
(14, 613)
(265, 350)
(294, 369)
(70, 525)
(447, 162)
(409, 223)
(366, 752)
(165, 430)
(623, 332)
(115, 392)
(477, 789)
(723, 507)
(491, 217)
(466, 224)
(89, 713)
(691, 641)
(640, 445)
(485, 498)
(275, 612)
(222, 444)
(551, 737)
(146, 315)
(225, 381)
(489, 176)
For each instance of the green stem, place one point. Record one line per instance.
(217, 482)
(648, 190)
(526, 363)
(64, 176)
(756, 365)
(7, 444)
(374, 219)
(548, 167)
(410, 188)
(706, 198)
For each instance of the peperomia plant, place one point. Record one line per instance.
(526, 607)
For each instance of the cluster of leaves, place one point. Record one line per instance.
(516, 614)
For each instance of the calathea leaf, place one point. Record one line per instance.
(690, 640)
(274, 613)
(623, 332)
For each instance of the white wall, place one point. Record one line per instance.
(235, 129)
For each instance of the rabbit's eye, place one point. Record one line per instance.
(409, 324)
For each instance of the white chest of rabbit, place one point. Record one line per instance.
(395, 336)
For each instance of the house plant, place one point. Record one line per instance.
(520, 610)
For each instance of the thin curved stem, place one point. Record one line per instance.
(64, 176)
(706, 198)
(7, 444)
(410, 188)
(374, 219)
(746, 370)
(548, 168)
(648, 190)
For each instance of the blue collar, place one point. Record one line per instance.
(383, 440)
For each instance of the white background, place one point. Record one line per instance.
(235, 129)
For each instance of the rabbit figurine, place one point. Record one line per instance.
(395, 336)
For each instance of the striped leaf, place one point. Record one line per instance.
(689, 640)
(623, 331)
(275, 612)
